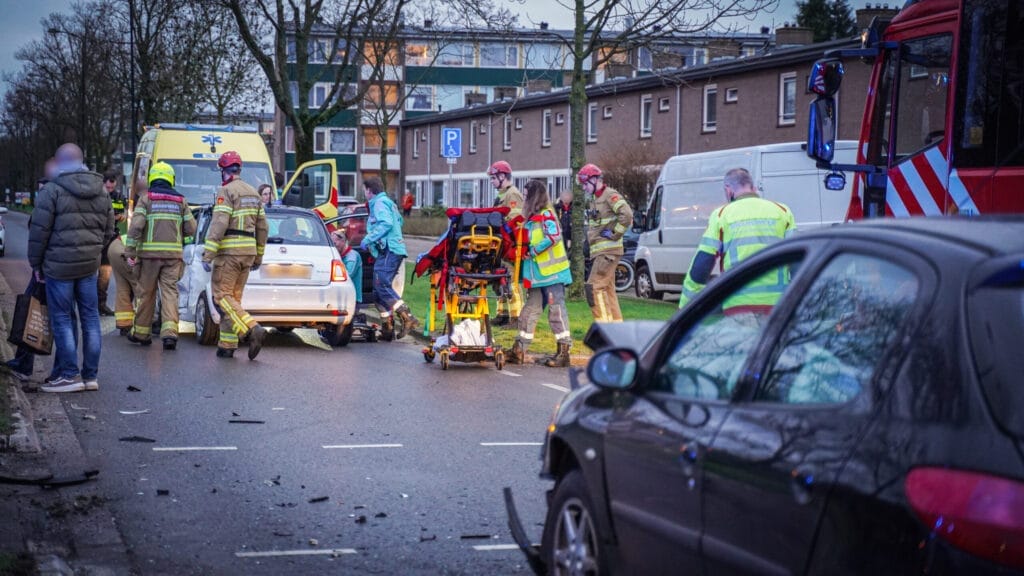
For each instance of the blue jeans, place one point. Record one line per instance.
(61, 298)
(384, 270)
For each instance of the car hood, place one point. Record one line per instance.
(634, 334)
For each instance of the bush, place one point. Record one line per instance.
(432, 226)
(432, 211)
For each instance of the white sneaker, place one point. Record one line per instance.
(92, 385)
(64, 384)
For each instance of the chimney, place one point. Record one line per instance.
(723, 48)
(543, 25)
(765, 30)
(793, 36)
(869, 12)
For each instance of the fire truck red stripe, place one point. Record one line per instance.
(906, 194)
(936, 187)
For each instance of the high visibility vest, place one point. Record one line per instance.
(553, 260)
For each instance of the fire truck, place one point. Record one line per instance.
(943, 128)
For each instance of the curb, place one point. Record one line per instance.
(24, 439)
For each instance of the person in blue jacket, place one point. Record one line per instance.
(384, 242)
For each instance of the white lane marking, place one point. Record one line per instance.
(277, 408)
(554, 387)
(512, 374)
(511, 443)
(191, 448)
(274, 553)
(492, 547)
(355, 446)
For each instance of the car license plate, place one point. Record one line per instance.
(291, 271)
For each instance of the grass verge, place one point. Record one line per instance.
(417, 295)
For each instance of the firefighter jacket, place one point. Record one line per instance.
(239, 225)
(161, 224)
(735, 232)
(548, 264)
(608, 211)
(512, 198)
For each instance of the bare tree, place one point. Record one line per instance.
(633, 171)
(603, 29)
(230, 87)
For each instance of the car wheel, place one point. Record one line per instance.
(571, 544)
(285, 329)
(623, 275)
(338, 336)
(207, 332)
(645, 284)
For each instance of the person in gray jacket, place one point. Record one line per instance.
(71, 223)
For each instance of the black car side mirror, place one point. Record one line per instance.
(614, 368)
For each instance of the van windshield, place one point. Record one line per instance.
(198, 180)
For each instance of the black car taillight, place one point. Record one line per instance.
(978, 513)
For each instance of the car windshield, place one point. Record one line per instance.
(295, 229)
(198, 180)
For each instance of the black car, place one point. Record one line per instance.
(849, 401)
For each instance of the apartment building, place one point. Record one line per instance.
(724, 104)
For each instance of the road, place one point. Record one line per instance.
(310, 460)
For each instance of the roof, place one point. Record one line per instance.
(777, 58)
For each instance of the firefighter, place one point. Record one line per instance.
(125, 277)
(608, 218)
(161, 223)
(234, 246)
(508, 195)
(106, 265)
(736, 231)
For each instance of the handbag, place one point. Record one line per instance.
(30, 325)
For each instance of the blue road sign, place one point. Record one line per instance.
(451, 142)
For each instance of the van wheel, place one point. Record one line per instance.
(645, 285)
(207, 332)
(623, 275)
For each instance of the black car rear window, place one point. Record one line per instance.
(291, 228)
(996, 320)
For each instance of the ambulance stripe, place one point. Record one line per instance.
(893, 198)
(961, 196)
(933, 178)
(919, 190)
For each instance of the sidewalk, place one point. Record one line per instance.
(55, 520)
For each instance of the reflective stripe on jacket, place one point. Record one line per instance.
(548, 263)
(239, 224)
(609, 211)
(161, 224)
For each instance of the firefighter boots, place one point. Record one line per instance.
(256, 336)
(387, 329)
(225, 352)
(409, 322)
(170, 343)
(517, 355)
(561, 358)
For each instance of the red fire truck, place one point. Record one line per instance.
(943, 129)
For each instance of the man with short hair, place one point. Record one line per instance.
(507, 195)
(117, 202)
(385, 243)
(72, 221)
(735, 232)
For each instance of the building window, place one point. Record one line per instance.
(607, 112)
(372, 140)
(732, 95)
(519, 123)
(545, 129)
(318, 93)
(560, 118)
(466, 194)
(335, 141)
(700, 56)
(289, 139)
(416, 143)
(709, 118)
(663, 104)
(787, 99)
(420, 98)
(457, 54)
(592, 123)
(472, 136)
(380, 97)
(499, 55)
(544, 56)
(505, 93)
(417, 55)
(506, 133)
(644, 60)
(646, 106)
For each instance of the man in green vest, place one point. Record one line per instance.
(736, 231)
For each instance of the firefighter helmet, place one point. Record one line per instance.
(500, 167)
(587, 172)
(229, 158)
(161, 171)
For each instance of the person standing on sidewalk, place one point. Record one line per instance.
(385, 243)
(161, 224)
(545, 276)
(117, 203)
(71, 223)
(608, 218)
(234, 246)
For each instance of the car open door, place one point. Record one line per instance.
(315, 186)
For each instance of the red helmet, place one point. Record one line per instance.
(500, 167)
(587, 172)
(229, 158)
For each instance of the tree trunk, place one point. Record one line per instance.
(304, 143)
(577, 155)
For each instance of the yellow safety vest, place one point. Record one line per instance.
(553, 260)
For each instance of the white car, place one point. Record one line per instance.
(302, 282)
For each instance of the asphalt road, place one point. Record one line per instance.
(411, 460)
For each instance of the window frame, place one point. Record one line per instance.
(416, 143)
(506, 133)
(472, 136)
(710, 90)
(326, 132)
(784, 79)
(592, 129)
(646, 115)
(545, 129)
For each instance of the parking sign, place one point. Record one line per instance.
(451, 142)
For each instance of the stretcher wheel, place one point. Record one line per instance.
(499, 360)
(428, 355)
(444, 359)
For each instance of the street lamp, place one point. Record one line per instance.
(81, 96)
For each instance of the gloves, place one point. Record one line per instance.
(606, 234)
(208, 266)
(39, 276)
(256, 264)
(131, 262)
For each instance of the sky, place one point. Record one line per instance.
(21, 21)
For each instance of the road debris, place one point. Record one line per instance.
(380, 515)
(430, 538)
(237, 421)
(163, 492)
(133, 412)
(77, 407)
(88, 417)
(136, 439)
(361, 520)
(314, 542)
(134, 389)
(319, 499)
(475, 537)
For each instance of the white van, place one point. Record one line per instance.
(690, 188)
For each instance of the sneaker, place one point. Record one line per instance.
(92, 384)
(64, 384)
(256, 336)
(225, 352)
(136, 340)
(21, 376)
(170, 343)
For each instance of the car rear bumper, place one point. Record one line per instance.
(300, 305)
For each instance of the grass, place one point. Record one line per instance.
(417, 294)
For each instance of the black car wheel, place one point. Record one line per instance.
(623, 275)
(571, 544)
(207, 332)
(338, 336)
(645, 284)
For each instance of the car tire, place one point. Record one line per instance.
(338, 337)
(207, 332)
(645, 284)
(285, 329)
(576, 551)
(624, 275)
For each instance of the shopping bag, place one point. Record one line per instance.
(30, 326)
